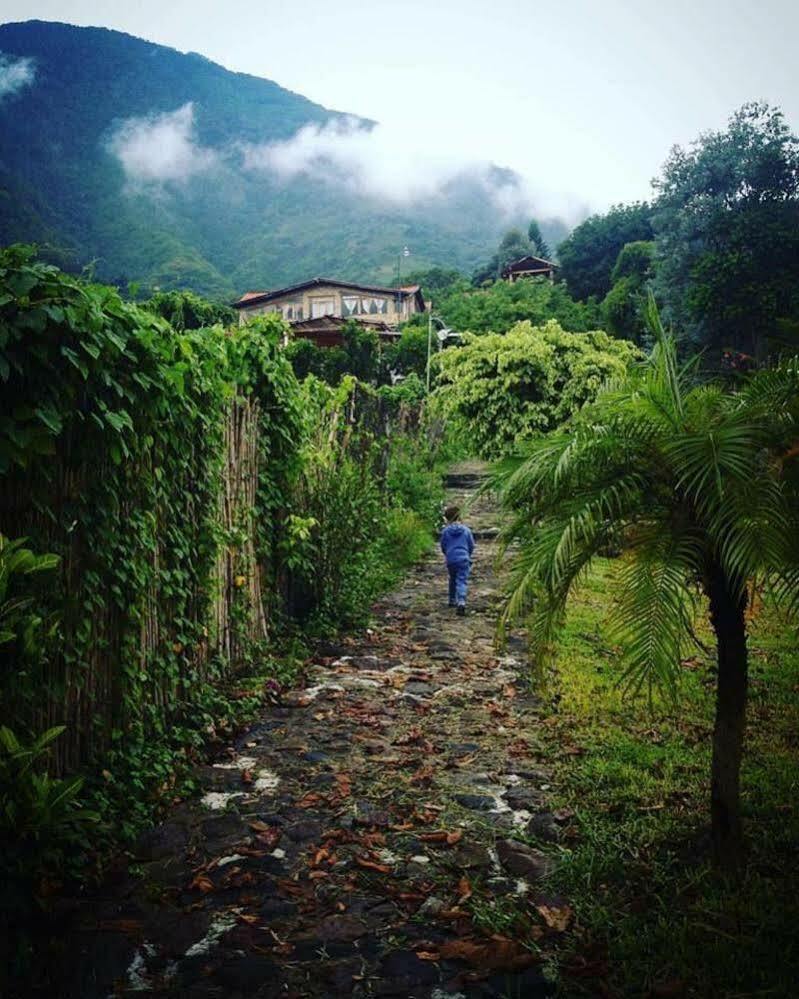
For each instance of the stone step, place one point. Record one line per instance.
(464, 480)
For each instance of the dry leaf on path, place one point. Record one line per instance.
(497, 952)
(372, 865)
(202, 883)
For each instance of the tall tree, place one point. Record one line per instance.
(588, 256)
(623, 306)
(513, 245)
(537, 241)
(703, 486)
(727, 224)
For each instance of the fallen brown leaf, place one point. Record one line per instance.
(373, 865)
(557, 917)
(202, 883)
(496, 952)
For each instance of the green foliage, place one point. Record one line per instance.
(587, 257)
(513, 245)
(135, 417)
(727, 222)
(694, 480)
(634, 261)
(624, 306)
(497, 307)
(103, 394)
(43, 828)
(17, 620)
(409, 354)
(185, 310)
(39, 813)
(361, 355)
(684, 473)
(509, 387)
(437, 282)
(404, 400)
(540, 247)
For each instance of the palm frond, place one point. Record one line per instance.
(656, 604)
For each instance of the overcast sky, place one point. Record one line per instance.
(583, 98)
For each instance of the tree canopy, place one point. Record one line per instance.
(623, 306)
(727, 227)
(497, 307)
(587, 257)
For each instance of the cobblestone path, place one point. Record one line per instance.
(379, 833)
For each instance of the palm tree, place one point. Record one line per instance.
(700, 485)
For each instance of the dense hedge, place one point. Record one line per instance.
(119, 446)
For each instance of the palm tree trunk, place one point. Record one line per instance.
(727, 608)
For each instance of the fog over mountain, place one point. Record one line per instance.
(165, 168)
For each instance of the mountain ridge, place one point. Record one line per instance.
(103, 104)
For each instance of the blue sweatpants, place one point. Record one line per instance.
(458, 576)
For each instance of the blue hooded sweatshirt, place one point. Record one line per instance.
(457, 543)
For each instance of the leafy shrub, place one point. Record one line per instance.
(42, 828)
(509, 387)
(500, 306)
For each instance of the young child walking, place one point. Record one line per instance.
(457, 544)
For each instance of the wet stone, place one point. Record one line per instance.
(522, 860)
(411, 699)
(367, 814)
(247, 973)
(544, 827)
(316, 756)
(530, 983)
(402, 971)
(471, 856)
(418, 688)
(524, 798)
(229, 826)
(165, 840)
(304, 830)
(339, 976)
(278, 908)
(343, 927)
(463, 748)
(476, 802)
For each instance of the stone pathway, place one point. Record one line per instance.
(378, 834)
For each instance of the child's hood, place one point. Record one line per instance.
(455, 530)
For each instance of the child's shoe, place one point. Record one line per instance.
(461, 611)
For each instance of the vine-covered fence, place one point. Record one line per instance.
(161, 468)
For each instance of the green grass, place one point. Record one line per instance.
(653, 917)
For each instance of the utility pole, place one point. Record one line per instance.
(405, 252)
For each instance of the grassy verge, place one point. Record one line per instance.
(652, 917)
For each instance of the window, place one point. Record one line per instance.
(292, 310)
(350, 305)
(322, 307)
(374, 306)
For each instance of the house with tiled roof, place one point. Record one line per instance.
(319, 308)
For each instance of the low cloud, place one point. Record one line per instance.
(15, 73)
(379, 161)
(161, 148)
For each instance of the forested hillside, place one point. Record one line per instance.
(145, 161)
